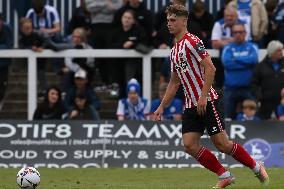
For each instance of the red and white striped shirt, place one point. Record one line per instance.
(186, 57)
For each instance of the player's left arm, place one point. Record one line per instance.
(209, 70)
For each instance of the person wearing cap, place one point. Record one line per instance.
(81, 86)
(249, 108)
(82, 110)
(268, 80)
(173, 111)
(134, 107)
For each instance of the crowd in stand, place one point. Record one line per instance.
(251, 89)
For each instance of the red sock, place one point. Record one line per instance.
(241, 155)
(209, 161)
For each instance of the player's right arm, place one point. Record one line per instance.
(169, 95)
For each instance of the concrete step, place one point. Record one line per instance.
(15, 106)
(107, 114)
(16, 95)
(13, 116)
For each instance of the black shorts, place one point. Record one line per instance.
(212, 120)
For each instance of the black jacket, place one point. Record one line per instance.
(266, 82)
(44, 112)
(135, 34)
(26, 42)
(143, 17)
(206, 22)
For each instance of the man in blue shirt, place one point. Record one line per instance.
(239, 59)
(173, 111)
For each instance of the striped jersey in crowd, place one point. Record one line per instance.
(49, 18)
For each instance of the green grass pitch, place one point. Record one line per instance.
(116, 178)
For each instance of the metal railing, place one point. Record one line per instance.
(98, 53)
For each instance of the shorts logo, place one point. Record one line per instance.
(214, 129)
(258, 148)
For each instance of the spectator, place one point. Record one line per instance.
(72, 65)
(254, 13)
(45, 19)
(102, 14)
(28, 38)
(80, 18)
(81, 86)
(280, 107)
(130, 35)
(34, 40)
(200, 15)
(143, 16)
(222, 29)
(6, 42)
(249, 108)
(82, 109)
(268, 80)
(221, 36)
(52, 107)
(239, 59)
(220, 13)
(173, 111)
(133, 107)
(278, 19)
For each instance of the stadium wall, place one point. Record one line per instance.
(126, 144)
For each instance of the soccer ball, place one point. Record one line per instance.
(28, 178)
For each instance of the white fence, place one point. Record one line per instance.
(104, 53)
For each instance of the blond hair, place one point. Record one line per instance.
(249, 103)
(82, 32)
(25, 20)
(178, 10)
